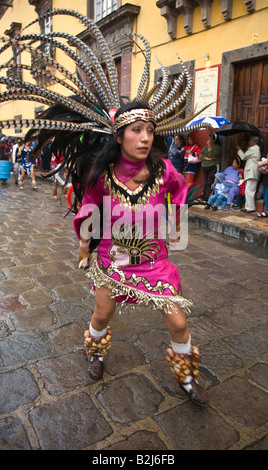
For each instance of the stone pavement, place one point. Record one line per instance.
(47, 399)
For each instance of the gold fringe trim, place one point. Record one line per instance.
(166, 303)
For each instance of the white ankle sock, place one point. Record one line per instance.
(97, 334)
(181, 348)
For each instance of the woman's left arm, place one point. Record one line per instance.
(176, 185)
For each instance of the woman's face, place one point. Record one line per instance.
(137, 140)
(190, 140)
(235, 165)
(210, 142)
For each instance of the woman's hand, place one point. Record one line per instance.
(84, 257)
(83, 252)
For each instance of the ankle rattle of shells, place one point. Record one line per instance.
(184, 365)
(97, 346)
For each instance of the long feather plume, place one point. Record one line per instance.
(77, 117)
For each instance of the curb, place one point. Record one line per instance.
(246, 234)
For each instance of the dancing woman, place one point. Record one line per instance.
(25, 157)
(130, 266)
(114, 155)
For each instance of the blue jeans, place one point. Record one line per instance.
(217, 200)
(265, 197)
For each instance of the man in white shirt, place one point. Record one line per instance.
(251, 174)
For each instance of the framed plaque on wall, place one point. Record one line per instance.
(206, 90)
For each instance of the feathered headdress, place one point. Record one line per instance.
(85, 113)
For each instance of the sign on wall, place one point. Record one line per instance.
(206, 88)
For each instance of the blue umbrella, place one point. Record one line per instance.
(214, 121)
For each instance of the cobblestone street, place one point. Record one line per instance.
(47, 399)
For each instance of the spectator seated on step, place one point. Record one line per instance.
(220, 189)
(239, 200)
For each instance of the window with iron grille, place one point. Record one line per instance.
(19, 130)
(47, 30)
(42, 7)
(14, 72)
(104, 8)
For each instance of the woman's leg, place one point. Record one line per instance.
(22, 174)
(177, 325)
(232, 194)
(34, 185)
(183, 357)
(104, 309)
(205, 180)
(209, 181)
(234, 191)
(98, 338)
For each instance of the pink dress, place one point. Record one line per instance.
(132, 258)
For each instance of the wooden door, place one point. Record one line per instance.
(250, 97)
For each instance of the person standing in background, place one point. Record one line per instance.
(25, 156)
(4, 155)
(264, 181)
(16, 165)
(210, 156)
(176, 153)
(191, 160)
(252, 156)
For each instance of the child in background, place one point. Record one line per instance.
(220, 191)
(240, 199)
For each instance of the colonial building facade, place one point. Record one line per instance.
(223, 42)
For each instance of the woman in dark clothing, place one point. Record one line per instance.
(176, 153)
(210, 157)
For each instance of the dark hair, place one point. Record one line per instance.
(238, 160)
(179, 136)
(214, 138)
(108, 151)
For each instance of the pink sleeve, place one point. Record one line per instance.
(92, 198)
(175, 184)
